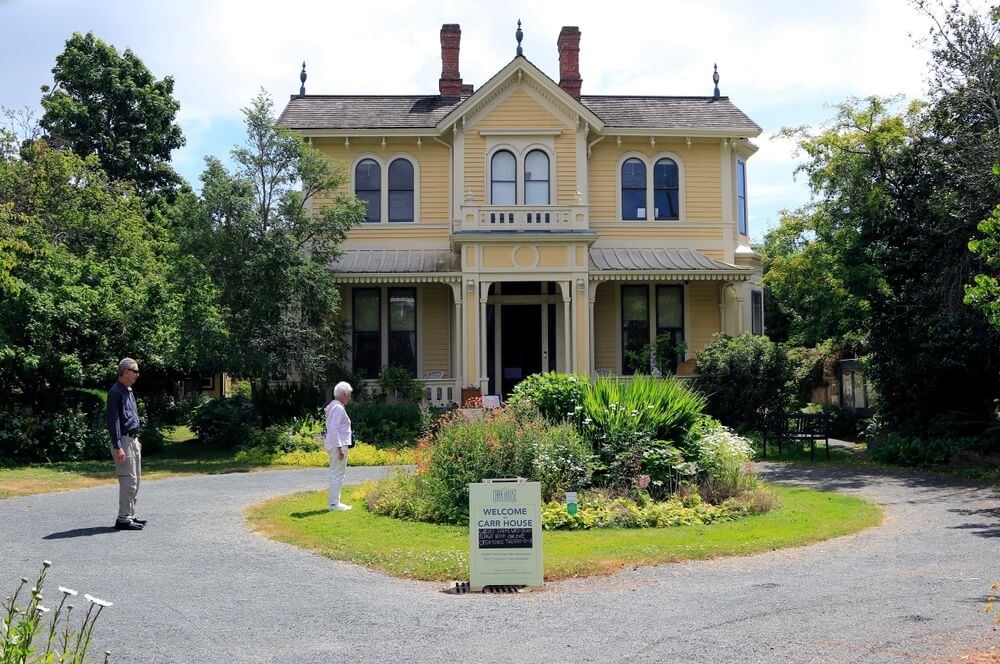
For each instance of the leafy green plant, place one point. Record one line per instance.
(741, 376)
(397, 385)
(275, 404)
(663, 354)
(23, 632)
(385, 424)
(557, 396)
(225, 422)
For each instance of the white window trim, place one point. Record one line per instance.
(650, 163)
(746, 197)
(519, 152)
(384, 163)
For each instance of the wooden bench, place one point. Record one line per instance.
(799, 427)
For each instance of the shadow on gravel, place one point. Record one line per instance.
(981, 529)
(81, 532)
(306, 515)
(847, 479)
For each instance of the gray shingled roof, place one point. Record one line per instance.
(424, 112)
(366, 112)
(395, 261)
(668, 112)
(656, 260)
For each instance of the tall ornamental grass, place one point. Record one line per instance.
(666, 408)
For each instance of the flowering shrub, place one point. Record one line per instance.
(361, 454)
(557, 396)
(23, 632)
(463, 451)
(724, 459)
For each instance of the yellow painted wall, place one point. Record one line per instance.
(702, 176)
(704, 318)
(605, 327)
(497, 257)
(552, 256)
(434, 166)
(436, 330)
(637, 230)
(520, 111)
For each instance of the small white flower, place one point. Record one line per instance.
(41, 609)
(46, 563)
(98, 601)
(68, 591)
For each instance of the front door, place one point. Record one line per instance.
(520, 344)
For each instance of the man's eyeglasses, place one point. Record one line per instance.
(135, 371)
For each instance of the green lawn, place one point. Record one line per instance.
(181, 455)
(439, 553)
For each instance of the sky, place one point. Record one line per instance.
(784, 63)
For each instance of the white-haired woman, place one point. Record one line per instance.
(338, 439)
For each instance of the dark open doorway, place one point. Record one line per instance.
(521, 343)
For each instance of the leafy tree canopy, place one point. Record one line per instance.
(266, 232)
(108, 104)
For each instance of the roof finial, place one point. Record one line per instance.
(519, 36)
(302, 77)
(715, 77)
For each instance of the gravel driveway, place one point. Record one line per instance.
(196, 586)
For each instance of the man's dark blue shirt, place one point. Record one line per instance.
(122, 415)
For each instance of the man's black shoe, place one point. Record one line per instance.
(127, 525)
(141, 522)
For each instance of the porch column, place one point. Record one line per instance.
(591, 300)
(457, 345)
(484, 379)
(567, 294)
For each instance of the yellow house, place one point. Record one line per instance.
(524, 227)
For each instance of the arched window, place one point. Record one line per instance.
(503, 179)
(401, 190)
(666, 192)
(536, 178)
(368, 187)
(633, 189)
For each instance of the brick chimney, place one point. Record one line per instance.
(450, 84)
(569, 60)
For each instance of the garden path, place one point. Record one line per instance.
(197, 586)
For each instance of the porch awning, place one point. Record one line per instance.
(628, 263)
(397, 265)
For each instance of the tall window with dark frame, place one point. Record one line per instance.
(741, 196)
(403, 328)
(368, 187)
(666, 190)
(633, 189)
(503, 179)
(536, 178)
(401, 190)
(670, 321)
(757, 312)
(366, 347)
(635, 323)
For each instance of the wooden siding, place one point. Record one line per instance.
(606, 327)
(432, 159)
(436, 330)
(521, 111)
(701, 167)
(704, 318)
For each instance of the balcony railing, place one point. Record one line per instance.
(437, 391)
(523, 218)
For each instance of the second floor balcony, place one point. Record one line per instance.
(523, 218)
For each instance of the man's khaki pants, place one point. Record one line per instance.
(129, 474)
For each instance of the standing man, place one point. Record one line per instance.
(338, 439)
(123, 426)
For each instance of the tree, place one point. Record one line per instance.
(267, 233)
(984, 293)
(110, 105)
